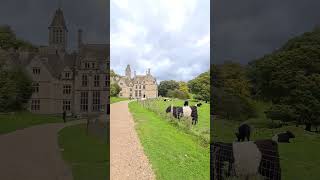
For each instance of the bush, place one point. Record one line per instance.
(177, 94)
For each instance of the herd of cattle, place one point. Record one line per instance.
(244, 158)
(249, 158)
(184, 111)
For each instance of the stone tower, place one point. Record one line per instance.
(58, 32)
(128, 72)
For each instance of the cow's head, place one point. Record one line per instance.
(168, 109)
(291, 135)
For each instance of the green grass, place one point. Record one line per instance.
(117, 99)
(19, 120)
(202, 129)
(173, 153)
(300, 159)
(86, 154)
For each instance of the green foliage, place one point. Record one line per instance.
(114, 89)
(165, 86)
(200, 86)
(9, 40)
(15, 89)
(177, 94)
(232, 77)
(230, 106)
(113, 74)
(290, 78)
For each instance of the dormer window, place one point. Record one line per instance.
(67, 75)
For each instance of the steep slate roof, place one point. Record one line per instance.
(58, 19)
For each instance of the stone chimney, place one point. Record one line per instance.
(135, 73)
(149, 72)
(79, 38)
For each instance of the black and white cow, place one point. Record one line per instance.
(186, 103)
(283, 137)
(185, 111)
(244, 131)
(246, 159)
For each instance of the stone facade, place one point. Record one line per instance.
(76, 82)
(138, 86)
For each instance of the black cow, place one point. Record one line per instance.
(283, 137)
(186, 103)
(199, 104)
(268, 165)
(244, 131)
(186, 111)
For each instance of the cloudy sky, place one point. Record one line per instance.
(170, 37)
(248, 29)
(30, 19)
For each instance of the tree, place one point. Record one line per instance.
(114, 89)
(15, 89)
(177, 94)
(8, 40)
(165, 86)
(290, 78)
(200, 86)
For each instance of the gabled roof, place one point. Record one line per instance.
(58, 19)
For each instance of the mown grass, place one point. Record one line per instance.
(20, 120)
(173, 153)
(117, 99)
(300, 159)
(86, 154)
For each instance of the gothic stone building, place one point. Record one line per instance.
(138, 86)
(76, 82)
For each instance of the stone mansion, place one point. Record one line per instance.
(138, 86)
(76, 82)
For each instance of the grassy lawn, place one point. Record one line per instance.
(299, 160)
(173, 153)
(117, 99)
(20, 120)
(87, 155)
(202, 129)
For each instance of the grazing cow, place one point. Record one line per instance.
(186, 103)
(244, 131)
(245, 159)
(185, 111)
(283, 137)
(199, 104)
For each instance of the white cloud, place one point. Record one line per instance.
(170, 37)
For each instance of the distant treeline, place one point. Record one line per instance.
(289, 78)
(198, 87)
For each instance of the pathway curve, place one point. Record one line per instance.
(33, 154)
(128, 160)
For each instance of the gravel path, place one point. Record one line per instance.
(33, 154)
(128, 160)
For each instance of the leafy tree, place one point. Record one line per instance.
(290, 78)
(200, 86)
(183, 86)
(8, 40)
(165, 86)
(15, 89)
(114, 89)
(177, 94)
